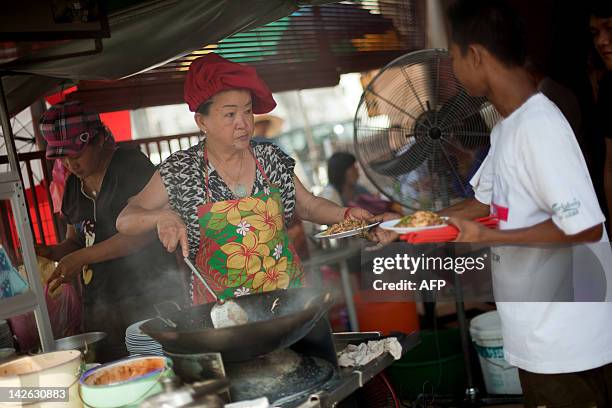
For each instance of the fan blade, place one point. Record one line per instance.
(405, 162)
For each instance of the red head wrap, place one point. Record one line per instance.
(211, 74)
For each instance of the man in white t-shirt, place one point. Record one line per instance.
(536, 181)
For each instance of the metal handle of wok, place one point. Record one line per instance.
(197, 273)
(213, 386)
(160, 312)
(325, 299)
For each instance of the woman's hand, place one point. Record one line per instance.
(382, 236)
(172, 232)
(356, 213)
(67, 268)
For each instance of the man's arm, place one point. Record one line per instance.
(544, 232)
(468, 209)
(608, 176)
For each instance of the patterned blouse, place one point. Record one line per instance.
(183, 176)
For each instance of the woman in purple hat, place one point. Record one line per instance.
(122, 276)
(227, 200)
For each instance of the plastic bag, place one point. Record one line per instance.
(56, 189)
(65, 313)
(11, 284)
(46, 267)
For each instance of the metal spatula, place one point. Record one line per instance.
(224, 313)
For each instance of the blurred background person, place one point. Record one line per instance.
(344, 188)
(600, 25)
(267, 128)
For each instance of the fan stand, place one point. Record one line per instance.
(472, 396)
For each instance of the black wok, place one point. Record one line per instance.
(296, 313)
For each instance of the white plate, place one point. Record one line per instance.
(344, 234)
(142, 345)
(134, 329)
(390, 226)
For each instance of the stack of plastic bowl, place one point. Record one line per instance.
(140, 344)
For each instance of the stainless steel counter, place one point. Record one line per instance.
(349, 380)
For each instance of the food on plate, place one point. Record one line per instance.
(420, 219)
(346, 225)
(126, 371)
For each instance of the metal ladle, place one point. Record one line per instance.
(224, 313)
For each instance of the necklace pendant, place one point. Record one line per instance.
(240, 191)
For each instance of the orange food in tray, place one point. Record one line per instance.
(124, 372)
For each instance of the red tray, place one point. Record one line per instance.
(445, 234)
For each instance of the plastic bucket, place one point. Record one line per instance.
(386, 317)
(435, 365)
(499, 376)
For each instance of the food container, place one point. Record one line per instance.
(58, 369)
(124, 383)
(87, 343)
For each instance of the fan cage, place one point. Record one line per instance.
(418, 135)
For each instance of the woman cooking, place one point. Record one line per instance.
(122, 276)
(226, 201)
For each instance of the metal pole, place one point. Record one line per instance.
(11, 150)
(21, 215)
(348, 296)
(471, 392)
(435, 28)
(312, 148)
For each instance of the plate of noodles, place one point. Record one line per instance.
(346, 228)
(417, 221)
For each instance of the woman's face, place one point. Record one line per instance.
(88, 161)
(230, 119)
(601, 30)
(352, 175)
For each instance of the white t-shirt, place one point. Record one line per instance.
(535, 171)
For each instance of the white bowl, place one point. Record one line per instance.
(57, 369)
(128, 393)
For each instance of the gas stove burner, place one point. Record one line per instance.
(282, 376)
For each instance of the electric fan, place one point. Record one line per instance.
(420, 138)
(418, 135)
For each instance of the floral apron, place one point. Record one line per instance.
(244, 247)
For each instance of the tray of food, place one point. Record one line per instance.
(417, 221)
(346, 228)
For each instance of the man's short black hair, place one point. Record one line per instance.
(600, 8)
(494, 24)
